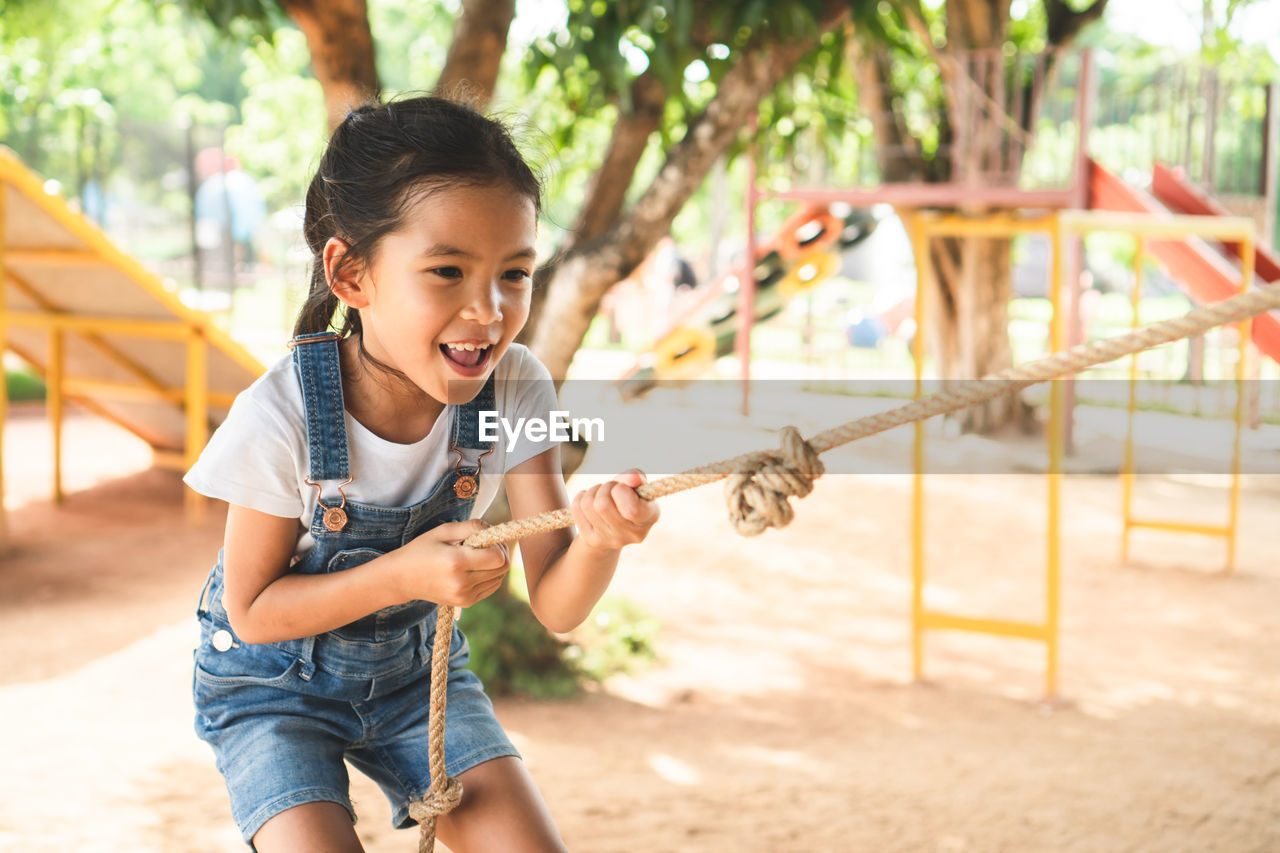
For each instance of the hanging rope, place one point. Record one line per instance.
(760, 482)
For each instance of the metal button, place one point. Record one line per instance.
(222, 640)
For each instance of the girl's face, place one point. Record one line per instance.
(446, 293)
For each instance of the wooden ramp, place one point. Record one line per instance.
(104, 332)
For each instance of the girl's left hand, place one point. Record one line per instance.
(610, 515)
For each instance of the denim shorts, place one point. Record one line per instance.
(282, 717)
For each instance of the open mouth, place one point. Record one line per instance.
(467, 356)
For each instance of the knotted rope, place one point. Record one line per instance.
(757, 492)
(761, 481)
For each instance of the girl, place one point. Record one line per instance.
(351, 470)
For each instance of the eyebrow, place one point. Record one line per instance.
(447, 249)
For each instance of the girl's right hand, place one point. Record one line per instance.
(441, 569)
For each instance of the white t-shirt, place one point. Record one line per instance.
(258, 457)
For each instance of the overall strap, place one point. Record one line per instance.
(315, 357)
(466, 418)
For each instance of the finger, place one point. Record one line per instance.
(487, 589)
(630, 505)
(457, 531)
(602, 501)
(494, 558)
(632, 477)
(612, 520)
(583, 514)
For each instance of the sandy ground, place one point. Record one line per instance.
(782, 716)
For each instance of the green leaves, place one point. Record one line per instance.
(262, 17)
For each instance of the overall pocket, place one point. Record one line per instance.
(351, 558)
(222, 659)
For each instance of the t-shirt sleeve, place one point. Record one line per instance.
(251, 460)
(529, 393)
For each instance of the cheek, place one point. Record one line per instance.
(515, 306)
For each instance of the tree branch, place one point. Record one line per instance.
(589, 269)
(896, 149)
(475, 54)
(1064, 23)
(607, 191)
(342, 56)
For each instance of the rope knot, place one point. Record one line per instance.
(757, 491)
(437, 802)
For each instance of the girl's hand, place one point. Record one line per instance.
(441, 569)
(611, 514)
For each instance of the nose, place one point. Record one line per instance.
(484, 303)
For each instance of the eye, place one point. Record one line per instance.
(517, 275)
(446, 272)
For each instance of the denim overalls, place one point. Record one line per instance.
(281, 717)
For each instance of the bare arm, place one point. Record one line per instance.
(267, 603)
(567, 575)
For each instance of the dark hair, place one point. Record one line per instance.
(380, 160)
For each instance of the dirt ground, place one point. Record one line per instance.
(782, 715)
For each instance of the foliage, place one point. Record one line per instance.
(412, 41)
(22, 385)
(282, 132)
(262, 18)
(513, 654)
(581, 76)
(617, 636)
(604, 46)
(68, 69)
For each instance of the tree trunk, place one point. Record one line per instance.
(582, 275)
(899, 152)
(475, 54)
(968, 322)
(342, 57)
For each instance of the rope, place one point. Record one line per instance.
(761, 481)
(758, 491)
(445, 791)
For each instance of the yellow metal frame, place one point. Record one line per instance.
(4, 345)
(1239, 229)
(194, 327)
(922, 229)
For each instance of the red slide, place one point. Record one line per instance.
(1205, 274)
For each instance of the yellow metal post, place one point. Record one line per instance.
(197, 413)
(101, 325)
(4, 346)
(54, 389)
(1126, 474)
(1247, 260)
(1057, 435)
(924, 229)
(920, 251)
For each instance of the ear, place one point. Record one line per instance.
(346, 281)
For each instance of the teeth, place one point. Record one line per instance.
(467, 347)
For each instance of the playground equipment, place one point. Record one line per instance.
(799, 256)
(1059, 225)
(1092, 199)
(105, 333)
